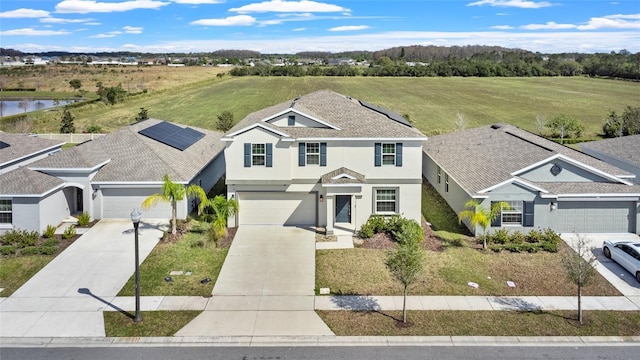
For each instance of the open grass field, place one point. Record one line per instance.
(432, 104)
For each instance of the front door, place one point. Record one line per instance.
(79, 200)
(343, 208)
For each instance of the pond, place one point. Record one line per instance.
(13, 107)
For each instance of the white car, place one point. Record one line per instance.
(625, 253)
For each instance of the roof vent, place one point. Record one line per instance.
(293, 102)
(497, 126)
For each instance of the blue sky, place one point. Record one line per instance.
(289, 26)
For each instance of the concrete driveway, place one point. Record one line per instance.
(620, 278)
(66, 298)
(265, 288)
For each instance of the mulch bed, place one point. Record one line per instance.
(227, 239)
(385, 240)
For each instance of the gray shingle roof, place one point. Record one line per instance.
(352, 118)
(23, 145)
(483, 157)
(625, 148)
(136, 158)
(354, 177)
(23, 181)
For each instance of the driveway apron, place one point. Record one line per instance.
(66, 298)
(265, 288)
(620, 278)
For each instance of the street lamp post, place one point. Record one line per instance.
(135, 218)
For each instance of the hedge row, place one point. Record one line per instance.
(534, 241)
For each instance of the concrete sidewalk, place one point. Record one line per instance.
(66, 297)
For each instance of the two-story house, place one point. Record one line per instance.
(323, 159)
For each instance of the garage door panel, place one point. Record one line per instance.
(118, 204)
(596, 217)
(264, 208)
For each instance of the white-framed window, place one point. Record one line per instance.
(439, 175)
(446, 182)
(388, 154)
(313, 153)
(386, 201)
(512, 216)
(6, 212)
(258, 155)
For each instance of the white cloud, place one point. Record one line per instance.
(502, 14)
(93, 6)
(349, 28)
(524, 4)
(130, 46)
(502, 27)
(300, 29)
(289, 7)
(24, 13)
(198, 2)
(132, 30)
(239, 20)
(63, 21)
(107, 35)
(271, 22)
(548, 26)
(33, 32)
(617, 21)
(93, 23)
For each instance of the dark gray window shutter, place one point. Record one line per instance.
(498, 220)
(247, 154)
(269, 153)
(528, 214)
(323, 154)
(398, 154)
(302, 148)
(378, 156)
(291, 121)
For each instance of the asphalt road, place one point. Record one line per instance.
(314, 353)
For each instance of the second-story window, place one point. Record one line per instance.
(388, 154)
(313, 154)
(258, 155)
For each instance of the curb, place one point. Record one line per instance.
(322, 341)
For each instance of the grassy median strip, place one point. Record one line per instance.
(198, 258)
(154, 323)
(482, 323)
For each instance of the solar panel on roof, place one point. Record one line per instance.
(390, 114)
(172, 135)
(3, 145)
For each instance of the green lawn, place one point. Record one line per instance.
(192, 253)
(431, 103)
(154, 323)
(15, 271)
(483, 323)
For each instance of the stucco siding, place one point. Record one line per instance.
(234, 157)
(210, 175)
(25, 214)
(53, 209)
(568, 173)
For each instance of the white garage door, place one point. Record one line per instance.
(596, 217)
(118, 204)
(276, 208)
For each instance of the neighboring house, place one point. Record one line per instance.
(109, 176)
(323, 159)
(545, 184)
(622, 152)
(18, 184)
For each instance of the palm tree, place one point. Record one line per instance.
(478, 215)
(222, 209)
(172, 193)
